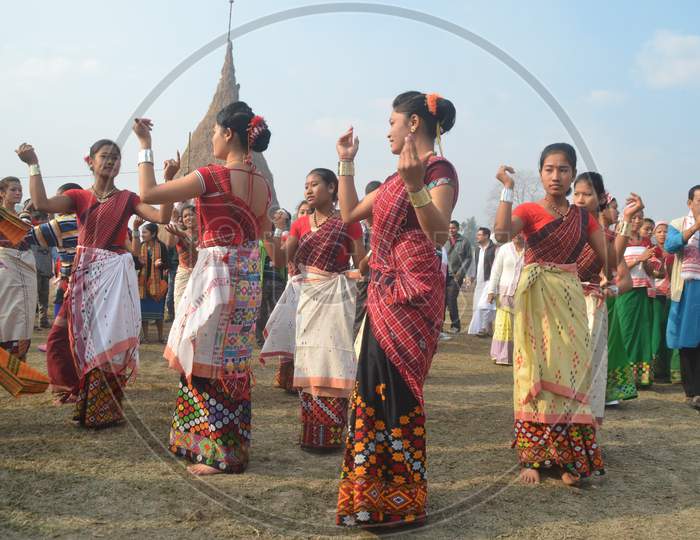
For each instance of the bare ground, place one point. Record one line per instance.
(60, 481)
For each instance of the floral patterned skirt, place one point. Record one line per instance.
(210, 426)
(99, 403)
(323, 421)
(383, 480)
(572, 447)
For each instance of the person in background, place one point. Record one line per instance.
(502, 287)
(484, 313)
(273, 280)
(665, 358)
(683, 329)
(153, 267)
(647, 228)
(363, 283)
(459, 258)
(44, 268)
(303, 209)
(184, 238)
(173, 262)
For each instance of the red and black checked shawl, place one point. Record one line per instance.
(406, 294)
(560, 241)
(320, 248)
(588, 266)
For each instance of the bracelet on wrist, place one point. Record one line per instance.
(346, 168)
(34, 170)
(420, 198)
(507, 195)
(278, 232)
(145, 156)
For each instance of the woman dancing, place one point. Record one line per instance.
(554, 424)
(311, 326)
(212, 337)
(185, 241)
(383, 480)
(100, 305)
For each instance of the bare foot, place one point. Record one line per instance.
(202, 470)
(529, 476)
(570, 479)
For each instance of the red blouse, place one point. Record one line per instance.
(534, 217)
(103, 225)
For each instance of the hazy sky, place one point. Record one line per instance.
(628, 74)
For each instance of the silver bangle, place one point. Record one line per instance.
(507, 195)
(615, 290)
(278, 232)
(34, 170)
(145, 156)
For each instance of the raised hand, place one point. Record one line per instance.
(142, 129)
(633, 204)
(137, 223)
(412, 166)
(348, 145)
(170, 167)
(27, 154)
(174, 230)
(504, 175)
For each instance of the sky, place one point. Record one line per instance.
(626, 73)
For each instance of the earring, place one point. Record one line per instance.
(413, 129)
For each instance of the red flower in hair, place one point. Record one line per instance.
(431, 102)
(87, 159)
(256, 126)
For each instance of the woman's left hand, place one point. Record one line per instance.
(412, 166)
(170, 167)
(142, 129)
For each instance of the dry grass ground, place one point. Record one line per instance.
(60, 481)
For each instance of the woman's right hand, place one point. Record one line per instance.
(633, 205)
(137, 223)
(348, 145)
(504, 176)
(27, 154)
(174, 230)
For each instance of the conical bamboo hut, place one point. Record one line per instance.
(199, 151)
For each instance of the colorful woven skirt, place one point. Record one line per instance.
(572, 447)
(99, 403)
(17, 377)
(323, 420)
(620, 384)
(502, 343)
(383, 480)
(635, 320)
(152, 310)
(210, 427)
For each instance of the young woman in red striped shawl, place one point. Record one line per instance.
(383, 480)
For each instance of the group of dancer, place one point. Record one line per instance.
(365, 398)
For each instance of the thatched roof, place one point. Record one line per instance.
(199, 152)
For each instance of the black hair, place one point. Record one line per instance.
(188, 207)
(559, 148)
(153, 228)
(649, 220)
(5, 182)
(236, 116)
(289, 216)
(485, 230)
(69, 185)
(103, 142)
(329, 178)
(302, 203)
(413, 102)
(374, 185)
(691, 192)
(595, 180)
(455, 223)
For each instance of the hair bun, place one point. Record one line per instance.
(446, 114)
(262, 141)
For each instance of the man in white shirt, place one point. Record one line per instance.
(484, 312)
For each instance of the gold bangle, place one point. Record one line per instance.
(346, 168)
(624, 228)
(420, 198)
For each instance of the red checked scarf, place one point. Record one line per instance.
(406, 295)
(319, 249)
(559, 241)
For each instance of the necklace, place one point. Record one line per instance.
(102, 198)
(329, 216)
(556, 210)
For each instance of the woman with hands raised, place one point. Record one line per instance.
(210, 342)
(101, 303)
(411, 212)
